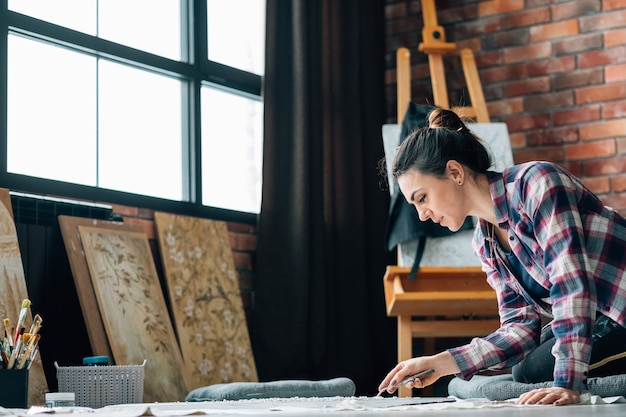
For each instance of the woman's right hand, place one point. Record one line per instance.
(406, 369)
(442, 363)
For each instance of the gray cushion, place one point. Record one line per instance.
(502, 387)
(342, 387)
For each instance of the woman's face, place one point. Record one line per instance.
(439, 199)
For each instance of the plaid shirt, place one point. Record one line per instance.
(571, 245)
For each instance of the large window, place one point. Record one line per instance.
(147, 102)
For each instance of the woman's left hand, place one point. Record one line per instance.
(554, 395)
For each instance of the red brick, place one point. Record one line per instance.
(613, 4)
(240, 227)
(614, 37)
(505, 107)
(615, 73)
(518, 140)
(486, 8)
(605, 166)
(526, 17)
(579, 78)
(573, 167)
(618, 183)
(571, 9)
(242, 260)
(603, 21)
(528, 53)
(550, 66)
(144, 213)
(502, 39)
(473, 28)
(578, 43)
(597, 149)
(147, 226)
(621, 145)
(576, 115)
(616, 201)
(553, 136)
(448, 15)
(553, 154)
(523, 123)
(243, 242)
(605, 57)
(605, 129)
(598, 185)
(614, 109)
(488, 59)
(554, 30)
(503, 73)
(548, 101)
(528, 86)
(125, 211)
(600, 93)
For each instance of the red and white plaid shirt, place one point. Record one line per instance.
(571, 245)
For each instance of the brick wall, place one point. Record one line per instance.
(242, 237)
(553, 71)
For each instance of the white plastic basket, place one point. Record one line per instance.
(99, 386)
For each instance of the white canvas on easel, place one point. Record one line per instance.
(454, 250)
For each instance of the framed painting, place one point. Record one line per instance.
(205, 300)
(80, 272)
(133, 309)
(13, 290)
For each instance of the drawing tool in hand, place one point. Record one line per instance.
(418, 375)
(21, 319)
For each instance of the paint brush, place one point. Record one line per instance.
(34, 328)
(418, 375)
(21, 319)
(26, 355)
(7, 331)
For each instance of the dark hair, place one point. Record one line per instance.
(429, 149)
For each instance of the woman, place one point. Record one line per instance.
(550, 249)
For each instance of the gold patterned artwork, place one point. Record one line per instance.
(205, 299)
(133, 309)
(13, 290)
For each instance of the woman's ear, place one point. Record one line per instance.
(455, 171)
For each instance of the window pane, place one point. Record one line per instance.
(231, 151)
(236, 33)
(140, 131)
(150, 25)
(52, 113)
(79, 15)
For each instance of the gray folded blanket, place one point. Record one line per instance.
(502, 387)
(342, 387)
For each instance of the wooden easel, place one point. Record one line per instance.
(439, 296)
(434, 44)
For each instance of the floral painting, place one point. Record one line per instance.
(133, 309)
(13, 291)
(206, 300)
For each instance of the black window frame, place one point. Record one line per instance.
(194, 67)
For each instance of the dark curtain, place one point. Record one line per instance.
(319, 308)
